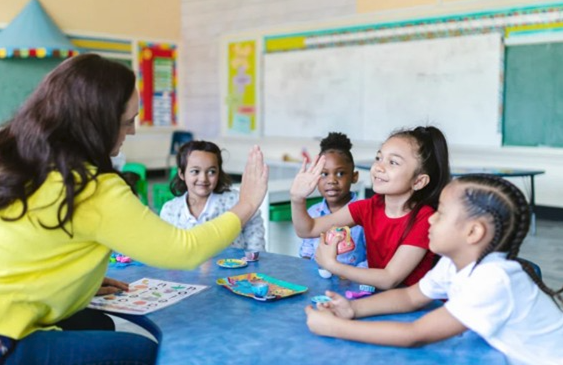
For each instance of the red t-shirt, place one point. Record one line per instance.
(383, 234)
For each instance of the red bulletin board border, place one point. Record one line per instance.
(147, 54)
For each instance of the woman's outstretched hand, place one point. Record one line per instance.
(307, 179)
(253, 186)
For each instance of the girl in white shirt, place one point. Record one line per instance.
(478, 228)
(203, 192)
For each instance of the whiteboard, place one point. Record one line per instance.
(370, 90)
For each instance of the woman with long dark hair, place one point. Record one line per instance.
(63, 209)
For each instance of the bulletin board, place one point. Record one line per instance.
(157, 82)
(534, 95)
(241, 96)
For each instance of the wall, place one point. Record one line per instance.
(152, 19)
(206, 25)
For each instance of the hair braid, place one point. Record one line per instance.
(507, 206)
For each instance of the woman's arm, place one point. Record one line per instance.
(115, 218)
(405, 260)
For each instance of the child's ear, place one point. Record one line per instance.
(355, 177)
(181, 175)
(477, 232)
(420, 182)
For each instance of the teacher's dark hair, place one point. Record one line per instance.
(70, 121)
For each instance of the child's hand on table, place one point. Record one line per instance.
(112, 286)
(306, 180)
(339, 306)
(320, 321)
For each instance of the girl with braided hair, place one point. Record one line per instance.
(480, 224)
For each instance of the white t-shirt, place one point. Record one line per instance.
(176, 212)
(501, 303)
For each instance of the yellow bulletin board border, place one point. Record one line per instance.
(509, 22)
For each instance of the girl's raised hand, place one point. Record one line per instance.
(307, 179)
(339, 306)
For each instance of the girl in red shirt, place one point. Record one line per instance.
(409, 172)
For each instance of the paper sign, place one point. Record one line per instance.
(145, 296)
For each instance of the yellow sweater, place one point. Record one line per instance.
(46, 276)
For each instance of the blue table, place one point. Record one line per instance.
(217, 326)
(528, 175)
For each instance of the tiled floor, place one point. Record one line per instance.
(546, 250)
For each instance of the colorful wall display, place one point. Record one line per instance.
(511, 22)
(157, 82)
(241, 97)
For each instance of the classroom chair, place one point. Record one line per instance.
(160, 194)
(141, 185)
(178, 139)
(534, 266)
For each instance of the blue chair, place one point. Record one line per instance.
(178, 139)
(534, 266)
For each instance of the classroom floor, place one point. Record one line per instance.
(546, 250)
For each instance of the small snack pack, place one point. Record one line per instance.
(347, 244)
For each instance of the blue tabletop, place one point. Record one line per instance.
(217, 326)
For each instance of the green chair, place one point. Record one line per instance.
(160, 194)
(141, 185)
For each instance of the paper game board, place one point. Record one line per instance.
(145, 296)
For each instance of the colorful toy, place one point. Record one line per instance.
(120, 261)
(232, 263)
(347, 244)
(369, 288)
(325, 274)
(357, 294)
(320, 299)
(251, 256)
(260, 289)
(244, 285)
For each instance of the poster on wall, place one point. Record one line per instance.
(241, 97)
(157, 84)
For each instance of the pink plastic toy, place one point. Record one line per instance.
(357, 294)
